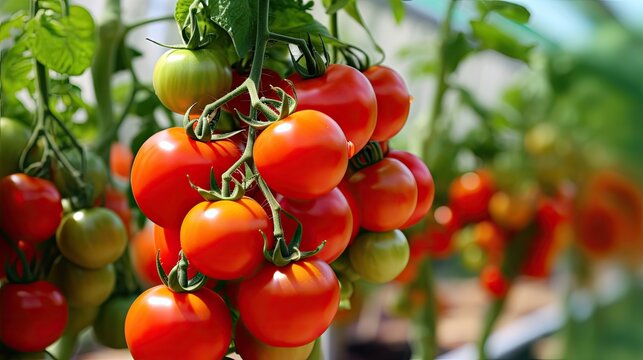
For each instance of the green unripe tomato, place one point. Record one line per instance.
(14, 137)
(109, 327)
(91, 238)
(80, 318)
(379, 257)
(82, 287)
(184, 77)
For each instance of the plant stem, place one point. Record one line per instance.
(442, 86)
(490, 320)
(426, 322)
(144, 22)
(334, 31)
(110, 33)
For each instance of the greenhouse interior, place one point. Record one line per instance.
(467, 182)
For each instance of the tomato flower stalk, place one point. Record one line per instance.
(28, 275)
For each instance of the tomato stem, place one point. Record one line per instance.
(27, 275)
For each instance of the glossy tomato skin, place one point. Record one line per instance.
(386, 193)
(223, 240)
(32, 316)
(9, 256)
(252, 349)
(354, 108)
(160, 170)
(91, 238)
(14, 137)
(302, 156)
(183, 77)
(470, 194)
(162, 324)
(379, 257)
(82, 287)
(327, 217)
(30, 208)
(393, 101)
(142, 253)
(424, 181)
(290, 305)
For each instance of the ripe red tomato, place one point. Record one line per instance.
(469, 196)
(222, 239)
(30, 207)
(268, 78)
(393, 101)
(598, 228)
(160, 169)
(120, 160)
(327, 217)
(436, 241)
(352, 203)
(307, 291)
(162, 324)
(386, 193)
(142, 254)
(252, 349)
(424, 181)
(302, 156)
(344, 94)
(490, 237)
(494, 282)
(32, 316)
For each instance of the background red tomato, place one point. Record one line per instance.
(469, 196)
(142, 254)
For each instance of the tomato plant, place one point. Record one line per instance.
(354, 108)
(95, 176)
(30, 309)
(162, 324)
(268, 78)
(31, 208)
(91, 238)
(386, 193)
(469, 196)
(327, 217)
(393, 101)
(311, 145)
(120, 160)
(289, 306)
(160, 169)
(223, 239)
(184, 77)
(494, 281)
(379, 257)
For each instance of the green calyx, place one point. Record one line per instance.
(369, 155)
(28, 274)
(177, 280)
(283, 254)
(315, 64)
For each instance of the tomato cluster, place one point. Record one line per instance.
(58, 251)
(324, 190)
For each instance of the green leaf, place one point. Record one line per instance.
(16, 67)
(509, 10)
(456, 49)
(234, 16)
(64, 44)
(121, 56)
(353, 11)
(492, 38)
(15, 22)
(333, 6)
(398, 9)
(181, 11)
